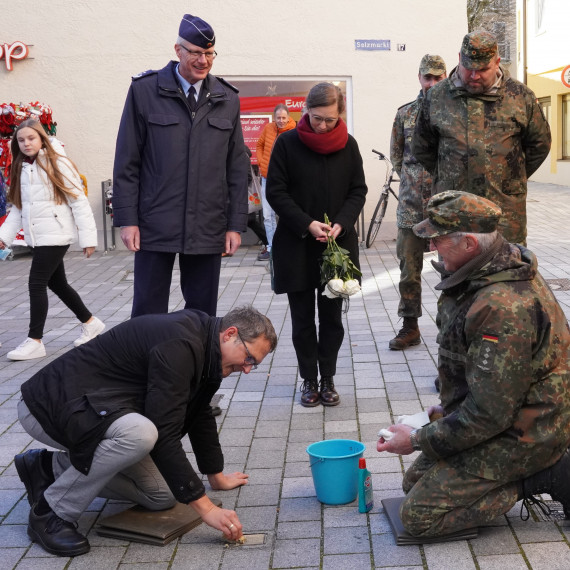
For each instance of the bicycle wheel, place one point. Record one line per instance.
(377, 219)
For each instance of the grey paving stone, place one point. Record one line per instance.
(308, 529)
(264, 476)
(386, 553)
(298, 553)
(548, 555)
(305, 509)
(52, 563)
(147, 553)
(335, 517)
(298, 487)
(504, 562)
(190, 557)
(347, 562)
(449, 555)
(346, 540)
(258, 495)
(257, 519)
(246, 557)
(495, 540)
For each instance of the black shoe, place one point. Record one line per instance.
(56, 535)
(216, 410)
(436, 383)
(35, 472)
(409, 335)
(310, 393)
(554, 480)
(329, 396)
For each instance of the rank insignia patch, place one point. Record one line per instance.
(487, 352)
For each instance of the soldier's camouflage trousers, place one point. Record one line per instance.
(441, 499)
(410, 251)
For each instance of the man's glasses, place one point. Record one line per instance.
(327, 120)
(210, 55)
(249, 359)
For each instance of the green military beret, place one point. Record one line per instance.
(454, 211)
(478, 49)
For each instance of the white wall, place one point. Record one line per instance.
(84, 53)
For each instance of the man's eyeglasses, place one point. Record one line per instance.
(327, 120)
(249, 359)
(210, 55)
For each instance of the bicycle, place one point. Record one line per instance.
(380, 209)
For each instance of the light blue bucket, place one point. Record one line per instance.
(334, 465)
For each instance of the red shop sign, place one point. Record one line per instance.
(17, 50)
(267, 104)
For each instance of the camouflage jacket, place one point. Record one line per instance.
(415, 181)
(504, 369)
(487, 144)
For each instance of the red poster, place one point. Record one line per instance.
(252, 125)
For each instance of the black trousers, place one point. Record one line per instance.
(47, 270)
(199, 279)
(316, 352)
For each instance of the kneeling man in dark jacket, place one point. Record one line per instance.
(118, 406)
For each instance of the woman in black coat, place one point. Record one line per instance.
(315, 169)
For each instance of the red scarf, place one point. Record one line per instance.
(325, 143)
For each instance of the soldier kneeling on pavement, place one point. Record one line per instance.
(505, 379)
(117, 408)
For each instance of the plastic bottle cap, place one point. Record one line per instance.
(362, 463)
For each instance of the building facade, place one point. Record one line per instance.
(81, 56)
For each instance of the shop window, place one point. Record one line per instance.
(544, 103)
(258, 98)
(566, 127)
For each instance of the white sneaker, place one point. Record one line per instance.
(28, 350)
(89, 331)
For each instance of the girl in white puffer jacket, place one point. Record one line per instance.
(49, 203)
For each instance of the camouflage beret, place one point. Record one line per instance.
(432, 65)
(453, 211)
(478, 49)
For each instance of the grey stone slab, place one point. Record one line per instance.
(386, 553)
(548, 555)
(347, 540)
(246, 557)
(148, 553)
(530, 531)
(188, 557)
(501, 562)
(52, 563)
(298, 553)
(307, 529)
(11, 556)
(304, 509)
(257, 519)
(449, 555)
(258, 495)
(347, 561)
(337, 517)
(495, 540)
(98, 558)
(270, 476)
(298, 487)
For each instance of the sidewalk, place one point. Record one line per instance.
(264, 431)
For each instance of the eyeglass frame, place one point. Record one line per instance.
(211, 55)
(329, 121)
(249, 360)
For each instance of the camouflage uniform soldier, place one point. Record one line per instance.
(483, 132)
(415, 191)
(505, 379)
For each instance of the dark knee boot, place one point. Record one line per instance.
(554, 480)
(310, 393)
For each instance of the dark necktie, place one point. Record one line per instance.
(192, 98)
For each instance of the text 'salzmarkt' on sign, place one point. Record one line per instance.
(371, 45)
(14, 51)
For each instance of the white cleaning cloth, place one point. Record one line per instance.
(416, 421)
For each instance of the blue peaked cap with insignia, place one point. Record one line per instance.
(196, 31)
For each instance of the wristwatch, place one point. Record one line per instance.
(414, 440)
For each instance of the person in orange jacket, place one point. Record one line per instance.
(281, 122)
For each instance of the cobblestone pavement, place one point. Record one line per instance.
(265, 431)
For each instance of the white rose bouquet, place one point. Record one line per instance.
(338, 273)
